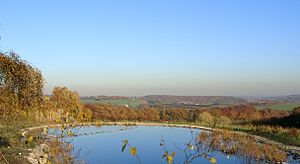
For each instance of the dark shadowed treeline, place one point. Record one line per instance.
(289, 121)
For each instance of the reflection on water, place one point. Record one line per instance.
(104, 145)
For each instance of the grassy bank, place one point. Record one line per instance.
(285, 106)
(12, 146)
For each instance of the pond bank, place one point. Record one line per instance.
(35, 156)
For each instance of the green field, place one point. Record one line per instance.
(287, 106)
(121, 102)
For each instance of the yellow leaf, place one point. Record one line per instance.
(47, 98)
(70, 133)
(170, 159)
(133, 151)
(45, 130)
(24, 133)
(125, 141)
(212, 160)
(191, 147)
(30, 139)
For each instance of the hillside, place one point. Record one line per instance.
(192, 100)
(159, 100)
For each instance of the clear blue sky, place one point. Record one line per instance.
(194, 47)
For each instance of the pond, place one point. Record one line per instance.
(104, 145)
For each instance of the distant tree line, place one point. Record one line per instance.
(211, 117)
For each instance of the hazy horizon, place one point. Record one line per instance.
(137, 48)
(236, 96)
(163, 92)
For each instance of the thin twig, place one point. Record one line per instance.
(4, 158)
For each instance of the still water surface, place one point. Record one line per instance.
(104, 145)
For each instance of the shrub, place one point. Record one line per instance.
(206, 119)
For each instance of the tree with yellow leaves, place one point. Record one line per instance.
(21, 86)
(65, 106)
